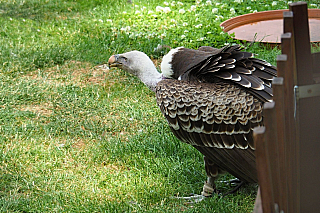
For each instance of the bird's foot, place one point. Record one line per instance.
(208, 191)
(193, 198)
(231, 182)
(236, 188)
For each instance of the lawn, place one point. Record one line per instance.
(78, 137)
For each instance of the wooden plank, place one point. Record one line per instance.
(263, 170)
(289, 75)
(278, 98)
(307, 116)
(258, 203)
(302, 42)
(287, 72)
(271, 142)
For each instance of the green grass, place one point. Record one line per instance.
(78, 138)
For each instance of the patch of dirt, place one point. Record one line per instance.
(42, 109)
(79, 144)
(72, 72)
(115, 168)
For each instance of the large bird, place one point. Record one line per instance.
(212, 99)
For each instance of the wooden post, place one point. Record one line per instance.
(307, 116)
(289, 149)
(264, 171)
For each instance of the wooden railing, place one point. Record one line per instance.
(288, 147)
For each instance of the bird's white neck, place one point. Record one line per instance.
(150, 76)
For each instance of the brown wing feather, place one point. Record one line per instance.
(228, 63)
(216, 118)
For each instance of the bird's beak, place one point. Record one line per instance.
(113, 61)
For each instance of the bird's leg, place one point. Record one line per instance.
(209, 188)
(212, 171)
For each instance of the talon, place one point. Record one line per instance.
(234, 189)
(193, 198)
(231, 181)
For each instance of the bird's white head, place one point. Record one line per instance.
(138, 64)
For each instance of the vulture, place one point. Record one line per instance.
(212, 99)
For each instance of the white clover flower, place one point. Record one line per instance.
(124, 12)
(232, 10)
(200, 39)
(179, 3)
(173, 3)
(186, 31)
(248, 8)
(166, 3)
(238, 1)
(214, 10)
(185, 24)
(173, 20)
(274, 3)
(166, 9)
(150, 12)
(143, 8)
(208, 2)
(218, 17)
(159, 9)
(209, 32)
(193, 8)
(101, 20)
(125, 29)
(137, 12)
(183, 37)
(254, 11)
(313, 5)
(109, 20)
(198, 1)
(182, 11)
(198, 26)
(163, 35)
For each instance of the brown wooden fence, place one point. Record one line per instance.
(288, 147)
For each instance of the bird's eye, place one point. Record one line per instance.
(124, 59)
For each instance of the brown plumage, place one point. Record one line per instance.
(216, 119)
(212, 99)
